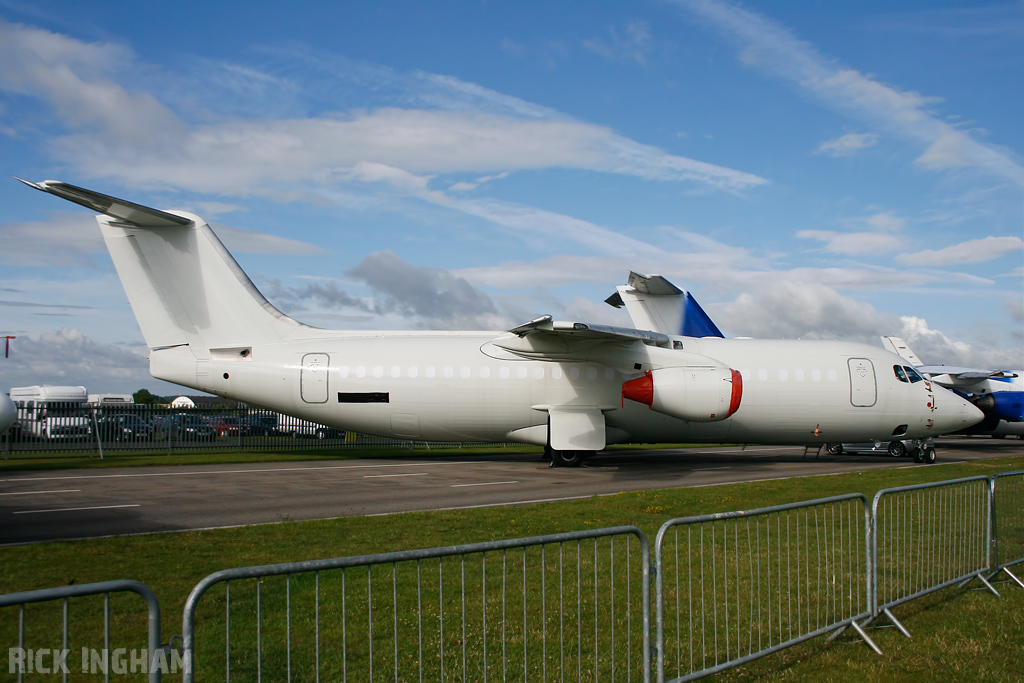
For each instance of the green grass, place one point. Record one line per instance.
(958, 635)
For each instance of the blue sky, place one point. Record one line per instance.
(807, 170)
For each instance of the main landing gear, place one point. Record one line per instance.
(565, 458)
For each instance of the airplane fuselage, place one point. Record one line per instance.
(461, 387)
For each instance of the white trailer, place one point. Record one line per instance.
(52, 412)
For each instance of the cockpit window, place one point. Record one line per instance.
(900, 375)
(912, 375)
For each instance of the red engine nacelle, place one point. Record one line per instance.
(695, 394)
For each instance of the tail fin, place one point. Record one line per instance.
(656, 304)
(184, 287)
(900, 348)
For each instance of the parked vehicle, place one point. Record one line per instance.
(261, 423)
(287, 424)
(920, 450)
(51, 412)
(230, 425)
(187, 427)
(124, 427)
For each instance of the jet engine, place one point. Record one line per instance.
(1003, 405)
(695, 394)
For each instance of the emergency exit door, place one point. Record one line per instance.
(313, 380)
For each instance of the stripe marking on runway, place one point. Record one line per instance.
(29, 493)
(98, 507)
(384, 476)
(484, 483)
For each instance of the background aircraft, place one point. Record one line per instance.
(571, 387)
(998, 393)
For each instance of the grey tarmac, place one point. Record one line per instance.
(75, 504)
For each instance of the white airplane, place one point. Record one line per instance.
(568, 386)
(998, 393)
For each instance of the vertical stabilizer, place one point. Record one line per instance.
(900, 348)
(184, 287)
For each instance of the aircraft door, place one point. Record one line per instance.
(863, 390)
(313, 380)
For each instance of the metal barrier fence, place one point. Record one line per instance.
(736, 586)
(98, 429)
(927, 537)
(571, 606)
(153, 659)
(1007, 523)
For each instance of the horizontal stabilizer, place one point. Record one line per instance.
(128, 212)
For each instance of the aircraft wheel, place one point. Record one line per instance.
(835, 448)
(897, 449)
(321, 434)
(566, 458)
(919, 455)
(929, 456)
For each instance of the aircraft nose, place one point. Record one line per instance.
(955, 413)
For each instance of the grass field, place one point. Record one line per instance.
(958, 634)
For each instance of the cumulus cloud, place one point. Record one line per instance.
(793, 310)
(799, 310)
(971, 251)
(438, 298)
(70, 357)
(848, 145)
(767, 45)
(420, 297)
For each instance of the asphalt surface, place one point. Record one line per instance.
(70, 504)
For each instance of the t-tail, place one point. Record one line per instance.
(655, 304)
(192, 300)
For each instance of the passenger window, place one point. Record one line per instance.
(900, 375)
(912, 375)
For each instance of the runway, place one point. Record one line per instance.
(74, 504)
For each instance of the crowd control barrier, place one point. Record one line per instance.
(37, 652)
(736, 586)
(571, 606)
(928, 537)
(1007, 524)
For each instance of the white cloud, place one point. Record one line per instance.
(631, 44)
(936, 348)
(886, 221)
(878, 243)
(72, 239)
(848, 144)
(66, 239)
(789, 310)
(971, 251)
(70, 357)
(767, 45)
(133, 138)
